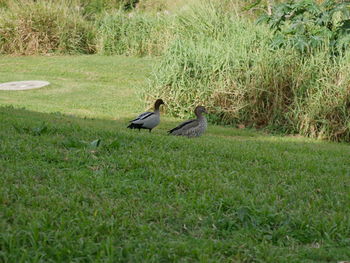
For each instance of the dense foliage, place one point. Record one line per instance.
(309, 26)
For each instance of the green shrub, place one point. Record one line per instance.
(42, 27)
(309, 26)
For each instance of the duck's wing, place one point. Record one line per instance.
(142, 116)
(185, 126)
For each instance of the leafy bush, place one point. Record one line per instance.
(42, 27)
(309, 26)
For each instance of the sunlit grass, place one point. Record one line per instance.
(91, 86)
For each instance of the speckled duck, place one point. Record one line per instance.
(192, 128)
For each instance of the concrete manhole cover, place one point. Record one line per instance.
(23, 85)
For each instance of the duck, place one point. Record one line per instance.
(147, 120)
(192, 128)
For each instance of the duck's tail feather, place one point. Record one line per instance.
(170, 131)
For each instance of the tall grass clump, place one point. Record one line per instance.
(41, 27)
(133, 34)
(325, 111)
(226, 63)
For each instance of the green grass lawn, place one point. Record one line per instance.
(92, 86)
(230, 196)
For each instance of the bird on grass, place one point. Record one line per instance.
(147, 120)
(192, 128)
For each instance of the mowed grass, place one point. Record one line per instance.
(93, 86)
(229, 196)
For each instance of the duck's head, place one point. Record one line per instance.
(199, 110)
(158, 103)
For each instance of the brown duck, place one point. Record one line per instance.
(192, 128)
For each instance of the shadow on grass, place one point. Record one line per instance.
(17, 116)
